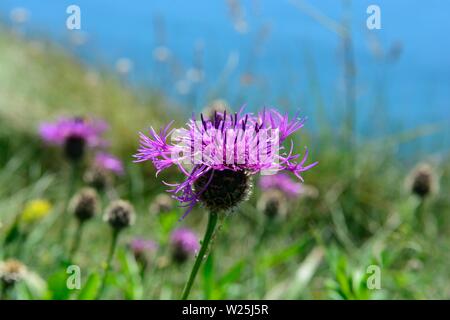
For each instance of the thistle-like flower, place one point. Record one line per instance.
(184, 243)
(85, 204)
(74, 135)
(120, 214)
(218, 155)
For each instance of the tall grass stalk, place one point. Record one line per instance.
(112, 249)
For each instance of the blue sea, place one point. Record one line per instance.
(265, 53)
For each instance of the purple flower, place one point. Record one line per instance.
(218, 155)
(109, 162)
(184, 243)
(74, 134)
(143, 245)
(90, 130)
(142, 250)
(281, 182)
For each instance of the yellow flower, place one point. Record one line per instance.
(36, 210)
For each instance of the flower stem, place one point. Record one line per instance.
(212, 221)
(112, 249)
(76, 240)
(70, 191)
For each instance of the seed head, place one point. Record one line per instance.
(85, 204)
(161, 204)
(273, 204)
(98, 178)
(423, 181)
(11, 272)
(120, 214)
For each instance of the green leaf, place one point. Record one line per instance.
(13, 233)
(91, 287)
(233, 274)
(285, 254)
(130, 278)
(57, 285)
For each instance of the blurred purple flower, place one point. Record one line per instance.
(220, 184)
(139, 245)
(90, 130)
(281, 182)
(109, 162)
(184, 243)
(143, 250)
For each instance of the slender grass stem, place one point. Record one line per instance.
(70, 191)
(76, 240)
(112, 249)
(212, 221)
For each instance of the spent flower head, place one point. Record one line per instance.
(162, 203)
(423, 180)
(120, 214)
(218, 155)
(85, 204)
(273, 204)
(11, 272)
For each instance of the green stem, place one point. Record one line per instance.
(70, 192)
(112, 248)
(212, 221)
(4, 292)
(76, 240)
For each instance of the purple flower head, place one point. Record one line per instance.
(219, 154)
(74, 134)
(184, 243)
(88, 129)
(142, 250)
(281, 182)
(139, 245)
(109, 162)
